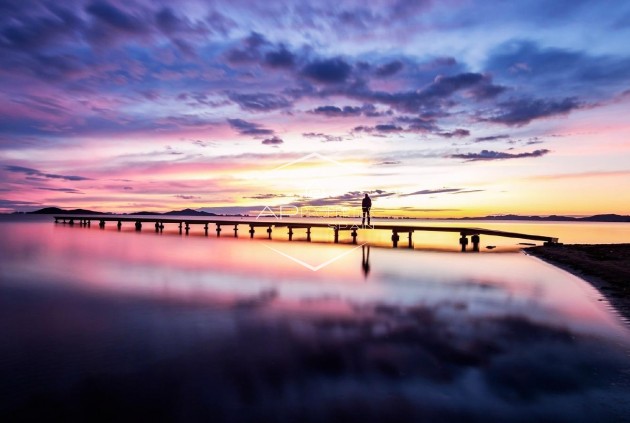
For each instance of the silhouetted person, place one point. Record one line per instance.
(463, 241)
(365, 263)
(366, 205)
(475, 242)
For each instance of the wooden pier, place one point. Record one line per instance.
(253, 224)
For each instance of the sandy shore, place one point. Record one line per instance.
(605, 266)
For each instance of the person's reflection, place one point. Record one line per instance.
(366, 260)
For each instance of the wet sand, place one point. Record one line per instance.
(605, 266)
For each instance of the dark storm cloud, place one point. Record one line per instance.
(260, 102)
(248, 128)
(34, 172)
(275, 140)
(389, 69)
(520, 112)
(327, 71)
(486, 155)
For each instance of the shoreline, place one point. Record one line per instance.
(605, 266)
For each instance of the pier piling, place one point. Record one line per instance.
(395, 238)
(464, 231)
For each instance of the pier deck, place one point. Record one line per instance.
(184, 224)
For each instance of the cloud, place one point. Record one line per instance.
(114, 16)
(328, 71)
(469, 191)
(492, 138)
(18, 204)
(349, 199)
(244, 127)
(187, 197)
(432, 191)
(37, 173)
(520, 112)
(249, 52)
(280, 58)
(558, 70)
(267, 196)
(457, 133)
(323, 137)
(381, 128)
(275, 140)
(432, 98)
(67, 190)
(389, 69)
(334, 111)
(497, 155)
(260, 102)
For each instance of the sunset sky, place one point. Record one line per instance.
(436, 108)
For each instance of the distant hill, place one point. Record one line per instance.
(185, 212)
(188, 212)
(552, 218)
(57, 210)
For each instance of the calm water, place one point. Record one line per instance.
(107, 325)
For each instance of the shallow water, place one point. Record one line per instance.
(101, 324)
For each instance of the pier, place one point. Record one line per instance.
(219, 225)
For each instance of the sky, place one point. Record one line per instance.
(435, 108)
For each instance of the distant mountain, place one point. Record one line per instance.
(185, 212)
(552, 218)
(606, 218)
(188, 212)
(57, 210)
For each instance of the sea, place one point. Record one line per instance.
(108, 324)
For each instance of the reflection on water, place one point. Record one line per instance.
(98, 324)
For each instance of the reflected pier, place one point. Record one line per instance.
(185, 224)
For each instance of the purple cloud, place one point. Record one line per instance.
(329, 71)
(275, 140)
(520, 112)
(389, 69)
(248, 128)
(260, 102)
(486, 155)
(36, 173)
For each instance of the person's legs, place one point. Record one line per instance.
(365, 211)
(368, 216)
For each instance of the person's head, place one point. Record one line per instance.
(366, 196)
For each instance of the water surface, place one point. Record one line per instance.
(100, 324)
